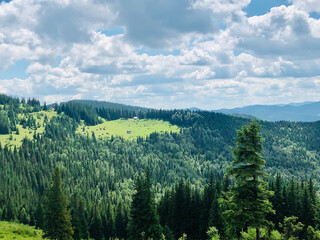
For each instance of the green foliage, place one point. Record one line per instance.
(264, 234)
(80, 112)
(247, 202)
(144, 219)
(19, 231)
(57, 222)
(4, 123)
(312, 234)
(78, 218)
(184, 237)
(213, 233)
(291, 228)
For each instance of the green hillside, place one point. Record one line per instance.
(23, 131)
(10, 231)
(125, 128)
(99, 173)
(128, 128)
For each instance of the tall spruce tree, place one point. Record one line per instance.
(247, 201)
(144, 220)
(57, 219)
(79, 218)
(277, 202)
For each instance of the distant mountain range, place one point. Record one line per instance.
(298, 112)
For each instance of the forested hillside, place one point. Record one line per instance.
(188, 155)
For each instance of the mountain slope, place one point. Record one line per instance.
(100, 170)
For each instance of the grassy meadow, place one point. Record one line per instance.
(10, 230)
(128, 128)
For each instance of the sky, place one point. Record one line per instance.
(165, 54)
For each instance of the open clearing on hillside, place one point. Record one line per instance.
(9, 230)
(15, 139)
(128, 128)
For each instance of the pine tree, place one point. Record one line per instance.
(108, 223)
(277, 202)
(57, 219)
(208, 196)
(144, 220)
(292, 199)
(79, 220)
(215, 219)
(179, 210)
(38, 215)
(4, 124)
(247, 201)
(120, 223)
(96, 225)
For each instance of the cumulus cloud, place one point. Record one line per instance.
(163, 24)
(225, 8)
(71, 21)
(307, 5)
(284, 31)
(221, 57)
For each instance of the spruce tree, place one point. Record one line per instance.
(96, 224)
(79, 219)
(57, 219)
(215, 219)
(144, 220)
(247, 202)
(120, 223)
(277, 202)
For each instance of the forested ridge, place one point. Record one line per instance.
(184, 171)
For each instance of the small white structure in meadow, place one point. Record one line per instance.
(135, 118)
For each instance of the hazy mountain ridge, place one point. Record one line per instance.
(303, 112)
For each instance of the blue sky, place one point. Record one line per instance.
(166, 54)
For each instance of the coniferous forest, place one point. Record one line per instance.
(219, 177)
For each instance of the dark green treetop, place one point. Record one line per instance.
(144, 220)
(247, 201)
(57, 221)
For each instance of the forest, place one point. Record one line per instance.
(167, 185)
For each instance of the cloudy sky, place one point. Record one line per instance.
(162, 53)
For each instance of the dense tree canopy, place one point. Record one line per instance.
(187, 169)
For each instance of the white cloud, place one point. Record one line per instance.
(271, 58)
(17, 87)
(164, 24)
(221, 6)
(307, 5)
(284, 31)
